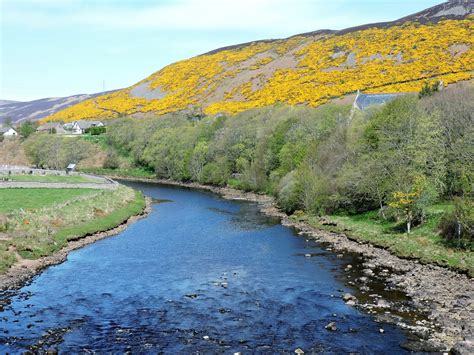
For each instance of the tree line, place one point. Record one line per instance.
(397, 159)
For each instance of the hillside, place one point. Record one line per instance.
(38, 109)
(311, 68)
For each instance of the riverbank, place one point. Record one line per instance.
(74, 237)
(444, 295)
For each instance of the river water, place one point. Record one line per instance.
(199, 274)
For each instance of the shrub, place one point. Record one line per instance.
(457, 227)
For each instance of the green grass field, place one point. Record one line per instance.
(15, 199)
(131, 173)
(424, 243)
(72, 179)
(39, 222)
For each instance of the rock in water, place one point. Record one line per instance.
(299, 351)
(351, 303)
(348, 297)
(382, 304)
(331, 326)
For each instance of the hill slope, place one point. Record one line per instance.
(38, 109)
(312, 68)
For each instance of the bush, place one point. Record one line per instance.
(96, 131)
(457, 227)
(429, 89)
(288, 194)
(215, 173)
(112, 161)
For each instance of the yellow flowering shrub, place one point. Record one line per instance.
(315, 69)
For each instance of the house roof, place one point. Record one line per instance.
(363, 101)
(87, 124)
(48, 125)
(5, 129)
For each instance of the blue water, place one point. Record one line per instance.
(200, 274)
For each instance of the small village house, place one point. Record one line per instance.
(8, 132)
(51, 127)
(80, 127)
(363, 101)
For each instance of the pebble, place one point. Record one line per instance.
(331, 326)
(206, 337)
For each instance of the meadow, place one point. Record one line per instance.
(39, 222)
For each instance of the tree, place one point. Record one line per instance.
(27, 128)
(198, 160)
(412, 202)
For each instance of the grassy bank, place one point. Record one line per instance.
(131, 173)
(38, 222)
(424, 243)
(72, 179)
(28, 199)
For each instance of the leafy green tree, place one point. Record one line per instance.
(27, 128)
(198, 160)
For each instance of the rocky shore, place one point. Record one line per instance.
(24, 270)
(444, 296)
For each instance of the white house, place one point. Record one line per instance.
(8, 132)
(80, 127)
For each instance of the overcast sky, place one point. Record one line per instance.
(54, 48)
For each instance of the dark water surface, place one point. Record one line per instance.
(199, 274)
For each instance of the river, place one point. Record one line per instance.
(199, 274)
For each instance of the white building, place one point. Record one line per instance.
(8, 132)
(80, 127)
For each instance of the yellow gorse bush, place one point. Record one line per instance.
(395, 59)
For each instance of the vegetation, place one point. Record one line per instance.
(71, 179)
(39, 222)
(385, 171)
(27, 199)
(423, 243)
(118, 172)
(307, 70)
(57, 152)
(27, 128)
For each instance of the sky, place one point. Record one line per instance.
(52, 48)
